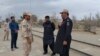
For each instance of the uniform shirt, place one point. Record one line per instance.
(66, 27)
(26, 28)
(6, 26)
(64, 34)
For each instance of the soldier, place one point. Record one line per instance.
(6, 29)
(48, 38)
(26, 28)
(63, 40)
(14, 32)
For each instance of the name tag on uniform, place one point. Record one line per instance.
(68, 23)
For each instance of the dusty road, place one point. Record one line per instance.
(36, 47)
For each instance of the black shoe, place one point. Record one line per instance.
(44, 53)
(16, 48)
(53, 54)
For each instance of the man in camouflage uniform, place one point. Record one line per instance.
(26, 28)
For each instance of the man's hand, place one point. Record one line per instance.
(65, 43)
(16, 31)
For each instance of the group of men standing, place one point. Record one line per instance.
(59, 46)
(26, 32)
(63, 40)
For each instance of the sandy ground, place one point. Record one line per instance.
(37, 49)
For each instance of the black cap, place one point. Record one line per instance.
(12, 17)
(47, 17)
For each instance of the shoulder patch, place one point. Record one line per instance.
(68, 23)
(68, 20)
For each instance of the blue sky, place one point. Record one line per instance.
(79, 8)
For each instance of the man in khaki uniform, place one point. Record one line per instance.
(26, 28)
(6, 29)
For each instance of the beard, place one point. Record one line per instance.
(28, 19)
(13, 20)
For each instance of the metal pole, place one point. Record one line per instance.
(30, 5)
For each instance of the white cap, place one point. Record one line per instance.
(27, 13)
(64, 11)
